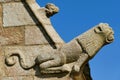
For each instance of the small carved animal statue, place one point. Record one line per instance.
(51, 9)
(79, 51)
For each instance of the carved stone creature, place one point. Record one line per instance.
(79, 51)
(29, 41)
(51, 9)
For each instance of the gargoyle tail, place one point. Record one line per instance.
(10, 60)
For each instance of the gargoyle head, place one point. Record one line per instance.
(95, 38)
(51, 9)
(105, 31)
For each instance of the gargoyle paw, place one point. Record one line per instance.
(76, 68)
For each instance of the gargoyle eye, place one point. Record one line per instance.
(98, 29)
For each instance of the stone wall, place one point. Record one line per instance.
(25, 32)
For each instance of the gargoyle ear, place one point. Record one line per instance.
(98, 29)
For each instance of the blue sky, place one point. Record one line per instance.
(76, 17)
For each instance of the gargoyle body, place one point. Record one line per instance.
(79, 51)
(30, 42)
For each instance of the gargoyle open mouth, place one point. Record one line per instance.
(110, 37)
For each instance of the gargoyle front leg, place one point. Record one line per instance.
(60, 69)
(74, 67)
(83, 58)
(50, 63)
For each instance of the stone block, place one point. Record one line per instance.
(12, 35)
(15, 14)
(33, 35)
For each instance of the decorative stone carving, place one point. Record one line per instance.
(80, 50)
(51, 9)
(32, 50)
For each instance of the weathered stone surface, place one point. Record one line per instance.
(53, 78)
(80, 50)
(15, 14)
(2, 62)
(5, 0)
(8, 0)
(54, 35)
(17, 0)
(40, 13)
(3, 40)
(30, 48)
(18, 71)
(0, 17)
(17, 78)
(51, 9)
(12, 35)
(34, 35)
(23, 57)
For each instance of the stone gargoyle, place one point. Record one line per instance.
(80, 50)
(34, 46)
